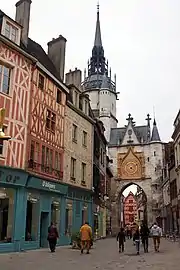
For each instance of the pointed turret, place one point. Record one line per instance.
(98, 41)
(155, 133)
(98, 63)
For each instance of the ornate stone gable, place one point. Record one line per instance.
(131, 165)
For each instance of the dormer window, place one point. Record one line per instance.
(86, 107)
(76, 99)
(11, 31)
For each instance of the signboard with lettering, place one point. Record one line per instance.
(39, 183)
(12, 176)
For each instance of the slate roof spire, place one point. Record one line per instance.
(97, 40)
(98, 63)
(155, 133)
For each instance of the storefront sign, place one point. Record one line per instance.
(38, 183)
(48, 185)
(12, 176)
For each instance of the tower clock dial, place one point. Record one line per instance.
(131, 167)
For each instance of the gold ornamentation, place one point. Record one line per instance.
(2, 117)
(131, 165)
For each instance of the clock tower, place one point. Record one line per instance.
(99, 85)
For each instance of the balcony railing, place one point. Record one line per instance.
(44, 169)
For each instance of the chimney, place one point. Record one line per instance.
(56, 52)
(23, 17)
(74, 77)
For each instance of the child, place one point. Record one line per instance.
(137, 240)
(121, 239)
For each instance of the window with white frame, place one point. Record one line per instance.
(5, 73)
(11, 32)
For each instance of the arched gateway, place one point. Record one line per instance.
(137, 158)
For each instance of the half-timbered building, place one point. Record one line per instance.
(32, 188)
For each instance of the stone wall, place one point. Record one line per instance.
(151, 183)
(77, 150)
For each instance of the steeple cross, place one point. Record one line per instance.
(148, 119)
(129, 119)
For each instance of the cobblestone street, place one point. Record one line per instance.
(103, 256)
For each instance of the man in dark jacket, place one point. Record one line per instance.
(145, 236)
(121, 238)
(52, 237)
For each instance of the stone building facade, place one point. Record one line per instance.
(78, 143)
(176, 138)
(137, 158)
(78, 149)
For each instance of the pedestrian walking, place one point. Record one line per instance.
(136, 239)
(145, 236)
(86, 237)
(156, 233)
(52, 237)
(121, 238)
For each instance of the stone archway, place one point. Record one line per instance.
(120, 186)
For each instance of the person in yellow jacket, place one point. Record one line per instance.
(86, 237)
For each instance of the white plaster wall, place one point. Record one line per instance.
(107, 101)
(94, 99)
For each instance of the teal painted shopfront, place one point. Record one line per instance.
(28, 204)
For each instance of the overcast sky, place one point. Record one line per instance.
(141, 39)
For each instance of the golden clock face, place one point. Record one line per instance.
(131, 167)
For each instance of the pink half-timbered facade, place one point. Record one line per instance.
(46, 126)
(15, 84)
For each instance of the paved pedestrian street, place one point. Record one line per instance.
(103, 256)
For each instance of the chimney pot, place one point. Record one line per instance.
(56, 52)
(23, 17)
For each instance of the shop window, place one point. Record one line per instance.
(55, 213)
(68, 217)
(6, 214)
(32, 218)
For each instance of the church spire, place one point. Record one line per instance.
(155, 133)
(98, 41)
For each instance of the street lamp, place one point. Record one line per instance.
(3, 136)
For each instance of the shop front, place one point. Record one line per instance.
(78, 211)
(28, 204)
(45, 202)
(12, 186)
